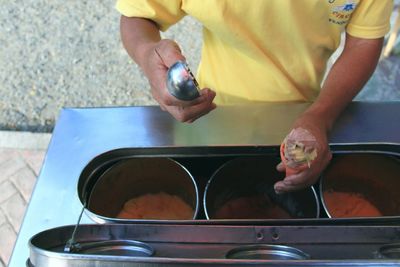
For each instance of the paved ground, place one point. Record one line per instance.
(21, 157)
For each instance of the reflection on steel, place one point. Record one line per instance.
(195, 245)
(83, 135)
(389, 251)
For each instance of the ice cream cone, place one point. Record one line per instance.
(290, 170)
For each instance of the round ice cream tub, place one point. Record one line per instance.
(361, 185)
(243, 188)
(153, 189)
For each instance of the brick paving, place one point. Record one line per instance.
(19, 169)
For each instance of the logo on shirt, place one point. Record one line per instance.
(341, 11)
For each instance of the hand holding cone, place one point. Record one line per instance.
(298, 151)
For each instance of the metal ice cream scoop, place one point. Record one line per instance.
(181, 82)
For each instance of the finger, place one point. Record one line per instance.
(194, 112)
(206, 95)
(213, 106)
(191, 113)
(296, 181)
(281, 167)
(306, 178)
(170, 52)
(281, 188)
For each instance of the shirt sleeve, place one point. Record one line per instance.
(164, 13)
(370, 19)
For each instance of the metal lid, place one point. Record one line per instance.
(267, 252)
(130, 248)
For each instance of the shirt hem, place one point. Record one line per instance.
(367, 32)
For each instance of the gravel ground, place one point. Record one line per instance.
(58, 54)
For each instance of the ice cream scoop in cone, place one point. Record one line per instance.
(290, 170)
(297, 151)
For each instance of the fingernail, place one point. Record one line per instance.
(279, 192)
(203, 97)
(278, 189)
(287, 182)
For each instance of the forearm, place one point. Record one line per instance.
(138, 36)
(346, 78)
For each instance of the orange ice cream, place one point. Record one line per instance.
(159, 206)
(347, 205)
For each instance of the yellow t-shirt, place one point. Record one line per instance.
(273, 50)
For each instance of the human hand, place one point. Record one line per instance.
(310, 136)
(160, 57)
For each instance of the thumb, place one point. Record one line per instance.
(169, 52)
(208, 94)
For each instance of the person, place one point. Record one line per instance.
(264, 51)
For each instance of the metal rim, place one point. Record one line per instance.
(113, 245)
(321, 181)
(210, 181)
(271, 251)
(206, 189)
(104, 219)
(389, 251)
